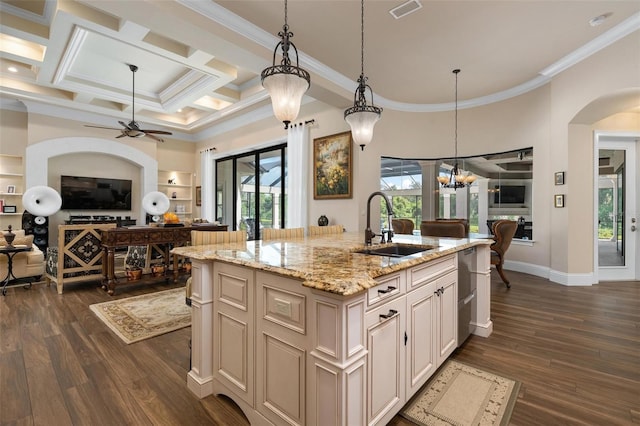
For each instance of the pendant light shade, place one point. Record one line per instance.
(362, 117)
(286, 83)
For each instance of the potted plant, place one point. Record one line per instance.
(133, 273)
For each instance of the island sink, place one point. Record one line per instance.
(396, 250)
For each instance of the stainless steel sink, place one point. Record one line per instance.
(396, 250)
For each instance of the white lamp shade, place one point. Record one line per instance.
(41, 201)
(286, 91)
(155, 203)
(362, 124)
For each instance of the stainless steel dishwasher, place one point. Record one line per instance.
(466, 294)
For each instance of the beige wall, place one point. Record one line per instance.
(541, 118)
(13, 132)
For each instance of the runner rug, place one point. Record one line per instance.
(462, 395)
(141, 317)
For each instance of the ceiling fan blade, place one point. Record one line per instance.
(101, 127)
(121, 136)
(154, 137)
(157, 132)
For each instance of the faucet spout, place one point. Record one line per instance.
(368, 233)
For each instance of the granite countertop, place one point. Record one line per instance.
(327, 262)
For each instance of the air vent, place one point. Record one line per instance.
(405, 9)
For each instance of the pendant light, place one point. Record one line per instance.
(362, 117)
(285, 82)
(456, 179)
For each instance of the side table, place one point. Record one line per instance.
(10, 252)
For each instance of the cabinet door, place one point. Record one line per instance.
(385, 360)
(447, 333)
(233, 329)
(421, 336)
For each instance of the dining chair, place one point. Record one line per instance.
(402, 226)
(325, 230)
(273, 233)
(503, 231)
(437, 228)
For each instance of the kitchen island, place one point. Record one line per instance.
(312, 331)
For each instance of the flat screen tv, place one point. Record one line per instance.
(93, 193)
(509, 194)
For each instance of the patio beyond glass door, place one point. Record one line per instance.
(616, 211)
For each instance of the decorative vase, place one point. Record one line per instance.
(157, 270)
(134, 274)
(323, 220)
(9, 237)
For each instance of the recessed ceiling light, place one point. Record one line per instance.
(594, 22)
(405, 8)
(12, 69)
(179, 109)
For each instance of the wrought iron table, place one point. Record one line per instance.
(10, 252)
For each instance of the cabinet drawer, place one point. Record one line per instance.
(388, 288)
(422, 274)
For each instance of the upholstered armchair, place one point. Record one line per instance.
(402, 226)
(27, 264)
(439, 228)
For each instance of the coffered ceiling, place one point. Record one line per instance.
(200, 61)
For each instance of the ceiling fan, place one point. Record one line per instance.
(132, 129)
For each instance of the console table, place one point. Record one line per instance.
(144, 235)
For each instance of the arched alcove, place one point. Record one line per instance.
(39, 154)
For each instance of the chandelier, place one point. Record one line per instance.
(286, 83)
(456, 178)
(361, 116)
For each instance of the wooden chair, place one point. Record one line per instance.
(503, 231)
(325, 230)
(438, 228)
(465, 222)
(201, 238)
(273, 233)
(402, 226)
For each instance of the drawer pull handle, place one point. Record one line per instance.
(388, 290)
(392, 313)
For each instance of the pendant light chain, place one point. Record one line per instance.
(456, 115)
(285, 14)
(362, 37)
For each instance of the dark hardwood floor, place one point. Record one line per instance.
(576, 351)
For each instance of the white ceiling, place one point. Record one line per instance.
(200, 61)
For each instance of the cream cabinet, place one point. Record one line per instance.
(290, 355)
(410, 336)
(11, 189)
(233, 329)
(178, 186)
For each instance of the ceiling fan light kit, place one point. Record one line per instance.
(132, 129)
(362, 117)
(286, 83)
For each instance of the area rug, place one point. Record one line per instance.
(141, 317)
(462, 395)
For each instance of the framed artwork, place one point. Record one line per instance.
(332, 166)
(198, 195)
(9, 209)
(559, 178)
(11, 189)
(558, 200)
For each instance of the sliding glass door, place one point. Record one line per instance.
(250, 191)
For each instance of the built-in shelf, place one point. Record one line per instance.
(11, 189)
(182, 188)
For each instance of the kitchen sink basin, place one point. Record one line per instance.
(395, 250)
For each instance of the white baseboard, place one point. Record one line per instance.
(545, 272)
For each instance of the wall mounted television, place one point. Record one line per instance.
(93, 193)
(509, 194)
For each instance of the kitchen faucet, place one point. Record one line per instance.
(368, 233)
